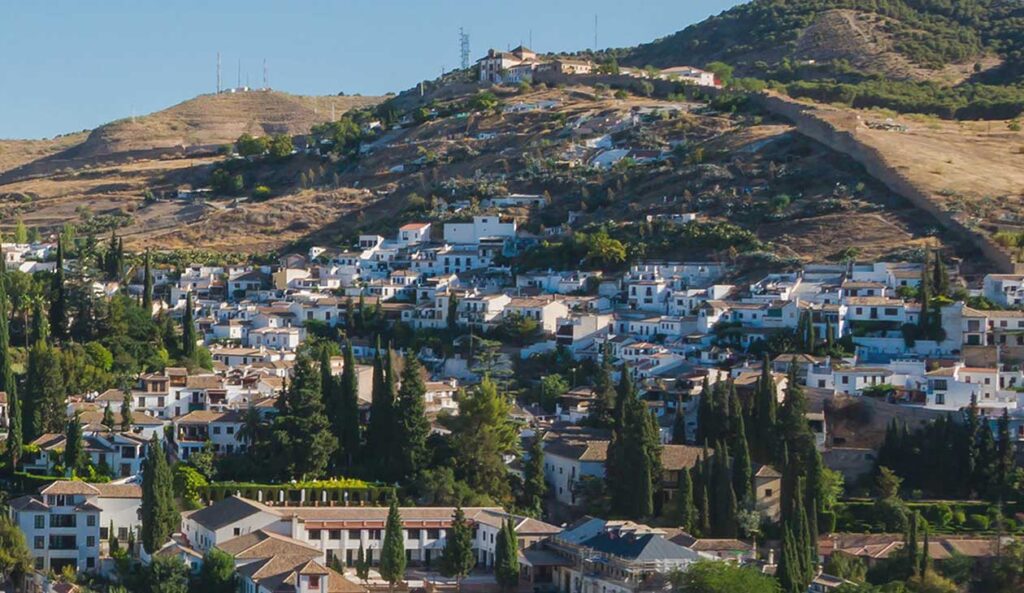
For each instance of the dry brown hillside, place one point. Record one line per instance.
(216, 119)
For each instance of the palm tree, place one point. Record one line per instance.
(252, 430)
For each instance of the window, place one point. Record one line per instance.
(90, 562)
(216, 430)
(39, 563)
(767, 492)
(40, 521)
(314, 581)
(230, 430)
(314, 534)
(90, 541)
(890, 312)
(90, 520)
(334, 534)
(433, 533)
(238, 531)
(39, 542)
(846, 379)
(353, 534)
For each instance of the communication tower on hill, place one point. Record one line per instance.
(218, 73)
(464, 48)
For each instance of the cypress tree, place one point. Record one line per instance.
(380, 437)
(59, 300)
(765, 415)
(392, 552)
(457, 557)
(328, 385)
(940, 277)
(911, 545)
(802, 536)
(623, 394)
(350, 319)
(126, 412)
(44, 405)
(8, 385)
(1006, 461)
(411, 420)
(788, 570)
(362, 564)
(115, 546)
(600, 413)
(75, 460)
(724, 514)
(188, 330)
(506, 557)
(346, 420)
(924, 321)
(684, 502)
(926, 561)
(147, 286)
(108, 417)
(534, 485)
(705, 413)
(742, 472)
(971, 450)
(159, 517)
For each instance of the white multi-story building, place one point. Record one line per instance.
(65, 522)
(1005, 290)
(482, 227)
(339, 532)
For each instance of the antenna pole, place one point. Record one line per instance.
(266, 77)
(239, 73)
(218, 73)
(463, 48)
(595, 31)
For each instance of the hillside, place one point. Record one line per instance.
(210, 120)
(901, 39)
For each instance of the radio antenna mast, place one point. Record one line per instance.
(239, 85)
(218, 73)
(463, 48)
(266, 77)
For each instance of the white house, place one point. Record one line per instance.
(1005, 290)
(65, 522)
(480, 228)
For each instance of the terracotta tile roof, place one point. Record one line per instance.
(69, 487)
(264, 544)
(119, 490)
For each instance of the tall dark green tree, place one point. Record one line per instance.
(127, 419)
(346, 419)
(725, 506)
(381, 434)
(506, 557)
(457, 558)
(75, 459)
(159, 517)
(108, 417)
(217, 574)
(534, 485)
(411, 420)
(742, 471)
(600, 413)
(44, 409)
(188, 330)
(482, 435)
(684, 502)
(147, 285)
(59, 299)
(8, 385)
(940, 277)
(1006, 458)
(301, 435)
(765, 416)
(392, 552)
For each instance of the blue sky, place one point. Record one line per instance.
(67, 65)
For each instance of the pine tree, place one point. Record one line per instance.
(457, 557)
(59, 299)
(482, 435)
(301, 433)
(188, 330)
(684, 502)
(126, 412)
(159, 517)
(75, 459)
(44, 409)
(8, 385)
(392, 552)
(346, 419)
(147, 286)
(534, 485)
(411, 420)
(506, 557)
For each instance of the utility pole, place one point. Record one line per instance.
(218, 73)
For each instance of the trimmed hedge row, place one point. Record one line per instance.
(340, 493)
(942, 516)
